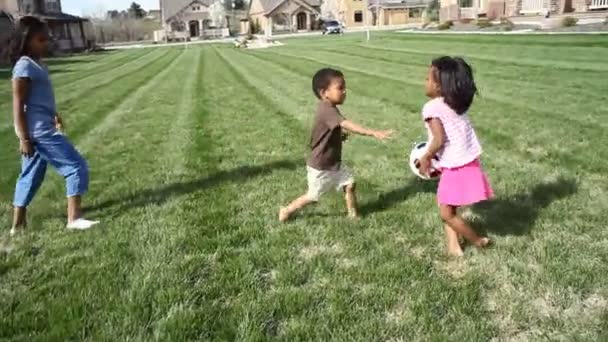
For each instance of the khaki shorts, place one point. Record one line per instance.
(320, 182)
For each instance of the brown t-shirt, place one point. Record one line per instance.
(326, 138)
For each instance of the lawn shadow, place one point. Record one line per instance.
(517, 215)
(392, 198)
(157, 196)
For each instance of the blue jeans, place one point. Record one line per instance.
(57, 151)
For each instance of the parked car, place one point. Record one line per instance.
(332, 27)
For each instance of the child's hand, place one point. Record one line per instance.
(26, 148)
(59, 122)
(383, 135)
(425, 166)
(344, 136)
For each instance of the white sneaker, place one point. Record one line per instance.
(14, 232)
(82, 224)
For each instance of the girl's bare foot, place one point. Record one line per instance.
(353, 215)
(455, 251)
(483, 242)
(283, 215)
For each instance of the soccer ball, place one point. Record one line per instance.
(417, 152)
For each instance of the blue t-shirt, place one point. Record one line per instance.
(40, 106)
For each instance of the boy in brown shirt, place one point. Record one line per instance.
(325, 168)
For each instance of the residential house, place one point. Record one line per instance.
(188, 19)
(6, 29)
(284, 15)
(473, 9)
(397, 12)
(67, 31)
(352, 13)
(154, 15)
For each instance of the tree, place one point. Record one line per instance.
(433, 11)
(136, 12)
(112, 15)
(330, 9)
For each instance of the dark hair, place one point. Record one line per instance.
(323, 78)
(26, 28)
(455, 79)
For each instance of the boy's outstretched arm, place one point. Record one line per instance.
(357, 129)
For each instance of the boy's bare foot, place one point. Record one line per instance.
(283, 215)
(353, 215)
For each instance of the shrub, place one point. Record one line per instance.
(569, 21)
(445, 25)
(483, 23)
(506, 24)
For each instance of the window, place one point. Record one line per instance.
(358, 16)
(465, 3)
(415, 12)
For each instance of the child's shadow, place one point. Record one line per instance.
(517, 215)
(392, 198)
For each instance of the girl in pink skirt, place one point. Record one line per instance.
(452, 139)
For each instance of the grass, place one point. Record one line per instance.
(192, 151)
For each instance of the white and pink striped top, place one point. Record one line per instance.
(461, 145)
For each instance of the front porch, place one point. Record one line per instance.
(67, 31)
(598, 4)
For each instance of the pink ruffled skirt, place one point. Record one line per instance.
(463, 186)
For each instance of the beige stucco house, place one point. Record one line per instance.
(192, 19)
(473, 9)
(397, 12)
(353, 13)
(284, 15)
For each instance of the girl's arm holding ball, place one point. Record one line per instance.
(434, 145)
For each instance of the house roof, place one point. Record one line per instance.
(170, 8)
(400, 3)
(271, 5)
(60, 17)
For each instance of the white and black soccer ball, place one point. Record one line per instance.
(417, 152)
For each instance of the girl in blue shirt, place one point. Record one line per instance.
(38, 127)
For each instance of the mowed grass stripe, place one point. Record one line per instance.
(520, 61)
(90, 111)
(573, 153)
(190, 248)
(330, 236)
(120, 71)
(105, 273)
(67, 92)
(91, 68)
(527, 78)
(500, 91)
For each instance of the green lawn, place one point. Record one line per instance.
(192, 152)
